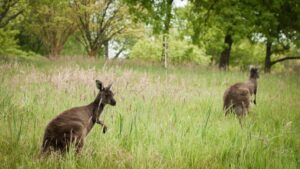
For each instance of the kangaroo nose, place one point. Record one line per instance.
(113, 102)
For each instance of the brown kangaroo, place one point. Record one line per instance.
(237, 97)
(73, 125)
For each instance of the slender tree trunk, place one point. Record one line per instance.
(167, 21)
(165, 50)
(268, 63)
(225, 55)
(106, 49)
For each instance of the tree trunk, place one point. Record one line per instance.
(92, 52)
(165, 50)
(106, 49)
(225, 55)
(55, 51)
(268, 63)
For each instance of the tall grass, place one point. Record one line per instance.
(162, 119)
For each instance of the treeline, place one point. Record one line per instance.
(222, 32)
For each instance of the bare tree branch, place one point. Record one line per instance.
(118, 53)
(285, 58)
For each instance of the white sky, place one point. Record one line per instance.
(180, 3)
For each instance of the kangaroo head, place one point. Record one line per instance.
(254, 73)
(105, 95)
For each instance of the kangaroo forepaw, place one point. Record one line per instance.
(104, 129)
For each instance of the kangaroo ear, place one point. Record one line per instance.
(251, 67)
(109, 86)
(99, 85)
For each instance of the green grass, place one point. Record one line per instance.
(162, 119)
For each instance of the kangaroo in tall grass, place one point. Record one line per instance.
(73, 125)
(238, 96)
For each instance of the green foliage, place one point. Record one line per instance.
(52, 23)
(275, 26)
(73, 47)
(45, 26)
(99, 22)
(275, 20)
(210, 36)
(212, 40)
(8, 44)
(146, 49)
(157, 13)
(228, 16)
(180, 51)
(29, 41)
(246, 53)
(11, 12)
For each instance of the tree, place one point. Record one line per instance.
(10, 10)
(157, 13)
(50, 21)
(277, 26)
(228, 16)
(99, 22)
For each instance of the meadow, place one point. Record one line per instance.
(163, 119)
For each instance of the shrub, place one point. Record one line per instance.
(180, 51)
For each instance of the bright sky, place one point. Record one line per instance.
(180, 3)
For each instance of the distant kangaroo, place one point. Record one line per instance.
(237, 97)
(73, 125)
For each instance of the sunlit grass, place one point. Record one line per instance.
(162, 119)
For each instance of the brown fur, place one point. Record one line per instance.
(238, 96)
(73, 125)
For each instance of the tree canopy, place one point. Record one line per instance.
(99, 22)
(231, 33)
(276, 25)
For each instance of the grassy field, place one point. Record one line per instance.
(162, 119)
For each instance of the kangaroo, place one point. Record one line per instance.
(237, 97)
(73, 125)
